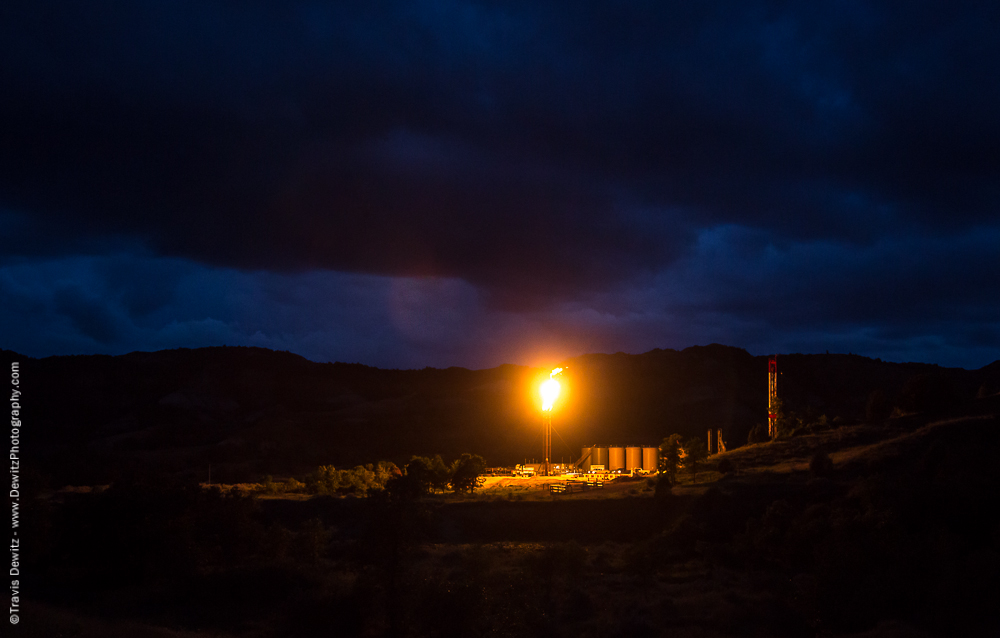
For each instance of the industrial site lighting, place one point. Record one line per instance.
(550, 392)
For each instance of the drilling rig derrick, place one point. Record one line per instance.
(772, 395)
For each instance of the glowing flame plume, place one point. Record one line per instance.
(550, 390)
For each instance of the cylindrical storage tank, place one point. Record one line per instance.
(650, 458)
(599, 456)
(616, 458)
(633, 458)
(586, 455)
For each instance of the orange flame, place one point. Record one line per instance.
(550, 390)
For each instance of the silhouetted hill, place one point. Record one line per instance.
(251, 411)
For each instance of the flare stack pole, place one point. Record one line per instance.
(548, 441)
(550, 392)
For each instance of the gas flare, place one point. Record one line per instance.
(550, 390)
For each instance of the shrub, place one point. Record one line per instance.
(329, 480)
(269, 486)
(725, 466)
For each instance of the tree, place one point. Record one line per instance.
(465, 473)
(385, 470)
(414, 482)
(440, 474)
(325, 480)
(329, 480)
(670, 458)
(695, 453)
(358, 480)
(403, 488)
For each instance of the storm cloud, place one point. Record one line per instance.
(470, 183)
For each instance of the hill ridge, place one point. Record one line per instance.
(249, 411)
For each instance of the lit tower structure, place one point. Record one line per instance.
(772, 394)
(549, 392)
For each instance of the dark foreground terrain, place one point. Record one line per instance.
(892, 532)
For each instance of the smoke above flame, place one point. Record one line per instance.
(550, 390)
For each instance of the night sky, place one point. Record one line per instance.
(409, 184)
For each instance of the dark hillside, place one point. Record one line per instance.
(627, 399)
(251, 411)
(894, 537)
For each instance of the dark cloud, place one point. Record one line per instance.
(733, 288)
(87, 314)
(813, 168)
